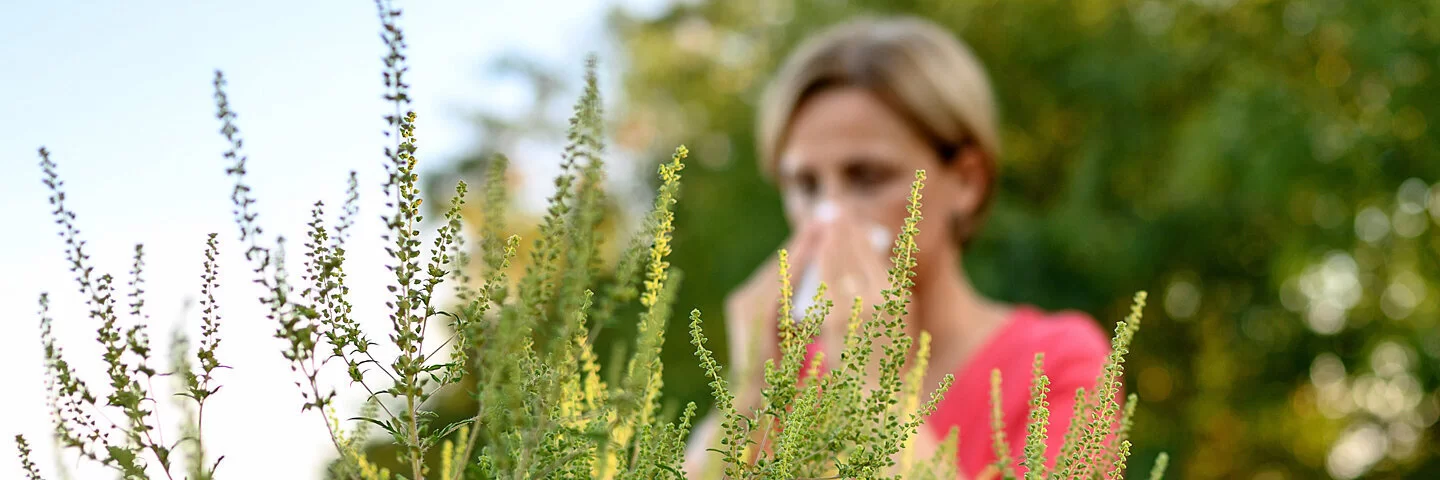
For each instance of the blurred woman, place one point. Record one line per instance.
(844, 125)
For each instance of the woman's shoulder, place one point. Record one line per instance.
(1058, 332)
(1073, 343)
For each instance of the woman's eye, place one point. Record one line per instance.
(865, 177)
(807, 184)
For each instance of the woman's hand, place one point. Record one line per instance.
(751, 313)
(854, 262)
(753, 310)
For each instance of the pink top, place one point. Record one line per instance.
(1075, 349)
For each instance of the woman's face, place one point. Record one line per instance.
(848, 149)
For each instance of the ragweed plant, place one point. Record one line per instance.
(543, 409)
(525, 349)
(132, 444)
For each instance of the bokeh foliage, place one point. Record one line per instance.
(1264, 166)
(1268, 168)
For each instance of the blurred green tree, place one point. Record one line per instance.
(1263, 166)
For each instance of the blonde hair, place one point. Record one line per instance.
(921, 71)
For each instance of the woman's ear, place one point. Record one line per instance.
(970, 176)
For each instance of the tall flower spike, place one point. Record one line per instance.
(539, 286)
(1117, 472)
(583, 245)
(69, 397)
(1002, 447)
(732, 442)
(1065, 461)
(1161, 462)
(897, 298)
(210, 323)
(1039, 422)
(1123, 434)
(31, 473)
(910, 397)
(127, 392)
(411, 305)
(1102, 421)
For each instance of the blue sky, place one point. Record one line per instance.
(121, 95)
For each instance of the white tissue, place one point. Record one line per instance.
(809, 283)
(805, 294)
(826, 211)
(880, 238)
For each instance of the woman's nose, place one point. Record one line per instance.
(830, 208)
(826, 209)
